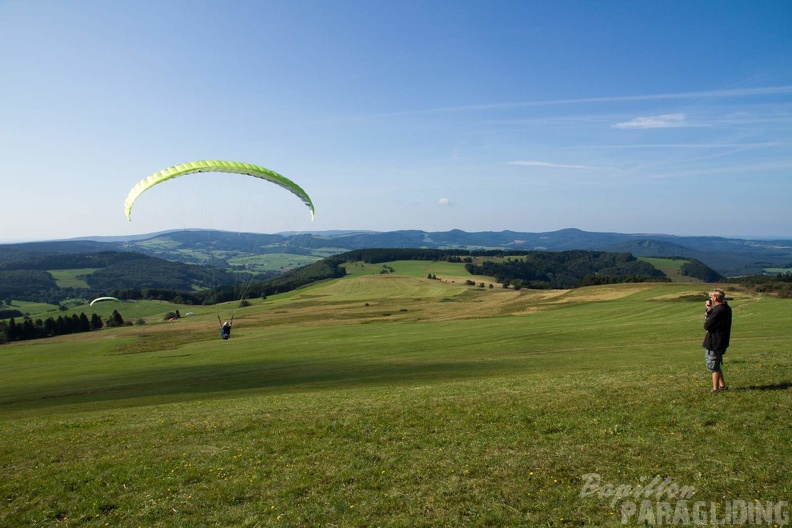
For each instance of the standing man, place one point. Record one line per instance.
(717, 323)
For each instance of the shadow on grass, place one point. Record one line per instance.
(775, 387)
(174, 384)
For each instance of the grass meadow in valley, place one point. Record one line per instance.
(391, 399)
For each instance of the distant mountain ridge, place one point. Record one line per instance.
(729, 256)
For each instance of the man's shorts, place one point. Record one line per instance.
(714, 360)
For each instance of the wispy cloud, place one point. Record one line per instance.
(728, 93)
(748, 168)
(550, 165)
(444, 202)
(658, 121)
(768, 144)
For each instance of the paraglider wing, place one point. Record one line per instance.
(215, 166)
(100, 299)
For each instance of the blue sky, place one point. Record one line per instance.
(664, 117)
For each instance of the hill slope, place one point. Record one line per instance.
(135, 276)
(395, 401)
(730, 257)
(102, 273)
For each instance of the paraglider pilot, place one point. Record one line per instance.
(225, 327)
(225, 330)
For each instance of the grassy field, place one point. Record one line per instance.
(451, 272)
(394, 400)
(671, 267)
(272, 261)
(778, 270)
(248, 253)
(36, 309)
(68, 278)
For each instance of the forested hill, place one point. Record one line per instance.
(517, 269)
(104, 273)
(542, 269)
(568, 269)
(728, 256)
(79, 277)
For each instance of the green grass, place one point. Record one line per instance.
(68, 278)
(395, 401)
(159, 243)
(33, 308)
(671, 267)
(778, 270)
(444, 271)
(272, 261)
(151, 312)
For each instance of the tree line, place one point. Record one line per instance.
(36, 329)
(328, 268)
(29, 279)
(779, 285)
(567, 269)
(699, 270)
(377, 255)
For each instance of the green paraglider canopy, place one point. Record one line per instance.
(101, 299)
(214, 166)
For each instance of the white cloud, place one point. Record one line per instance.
(551, 165)
(723, 94)
(658, 121)
(443, 201)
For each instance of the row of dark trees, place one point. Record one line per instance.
(779, 285)
(29, 279)
(7, 313)
(567, 269)
(36, 329)
(328, 268)
(164, 281)
(699, 270)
